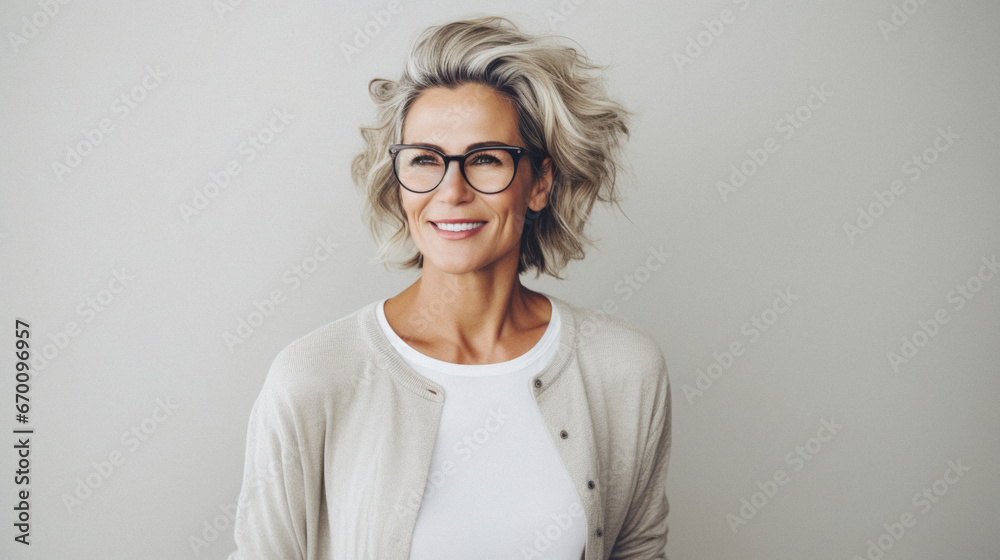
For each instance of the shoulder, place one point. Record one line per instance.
(617, 348)
(601, 333)
(318, 361)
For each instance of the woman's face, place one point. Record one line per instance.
(454, 120)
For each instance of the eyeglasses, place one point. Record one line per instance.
(489, 170)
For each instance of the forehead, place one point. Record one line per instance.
(453, 118)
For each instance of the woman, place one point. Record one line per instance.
(468, 417)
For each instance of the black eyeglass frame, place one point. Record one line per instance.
(515, 151)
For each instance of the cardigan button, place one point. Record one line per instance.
(564, 434)
(538, 382)
(590, 484)
(599, 533)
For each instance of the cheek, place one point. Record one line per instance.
(411, 209)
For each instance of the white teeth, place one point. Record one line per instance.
(459, 227)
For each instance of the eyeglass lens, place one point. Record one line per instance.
(421, 170)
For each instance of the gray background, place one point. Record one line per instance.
(63, 236)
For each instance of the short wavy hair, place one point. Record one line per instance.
(564, 113)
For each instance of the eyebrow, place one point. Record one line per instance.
(468, 148)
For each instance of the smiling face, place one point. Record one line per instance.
(456, 121)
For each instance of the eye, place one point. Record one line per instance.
(485, 158)
(421, 158)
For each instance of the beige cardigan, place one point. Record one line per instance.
(340, 441)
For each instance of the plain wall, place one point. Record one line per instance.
(145, 376)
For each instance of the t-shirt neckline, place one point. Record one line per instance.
(520, 363)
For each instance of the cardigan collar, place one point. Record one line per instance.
(389, 359)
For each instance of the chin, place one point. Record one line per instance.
(454, 264)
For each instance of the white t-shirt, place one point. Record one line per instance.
(497, 488)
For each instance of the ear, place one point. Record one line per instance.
(541, 188)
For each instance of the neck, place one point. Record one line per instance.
(478, 311)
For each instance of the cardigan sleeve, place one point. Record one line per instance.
(644, 533)
(270, 518)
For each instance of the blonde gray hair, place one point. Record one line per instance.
(563, 112)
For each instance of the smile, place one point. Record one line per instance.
(461, 226)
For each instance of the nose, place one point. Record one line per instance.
(453, 186)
